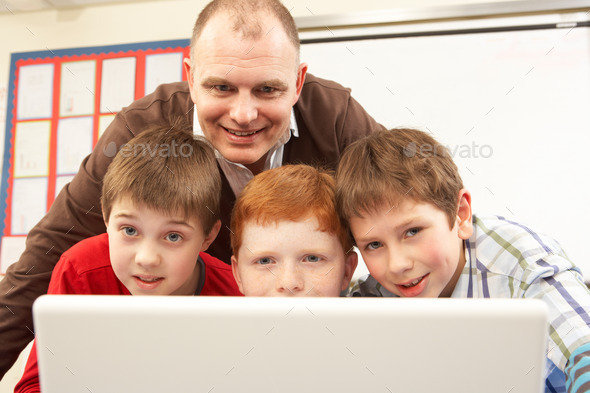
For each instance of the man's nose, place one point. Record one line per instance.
(244, 109)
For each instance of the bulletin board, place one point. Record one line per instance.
(59, 103)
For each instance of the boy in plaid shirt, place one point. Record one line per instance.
(411, 219)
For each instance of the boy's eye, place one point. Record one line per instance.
(412, 232)
(264, 261)
(129, 231)
(174, 237)
(374, 245)
(223, 88)
(312, 258)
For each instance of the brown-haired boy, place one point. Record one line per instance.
(287, 238)
(160, 203)
(411, 219)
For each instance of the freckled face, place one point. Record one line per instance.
(291, 259)
(244, 89)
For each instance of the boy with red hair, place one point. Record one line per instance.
(287, 238)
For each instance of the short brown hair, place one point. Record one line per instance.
(245, 17)
(169, 170)
(289, 193)
(389, 166)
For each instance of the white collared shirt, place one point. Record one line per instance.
(237, 174)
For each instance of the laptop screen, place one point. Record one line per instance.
(345, 345)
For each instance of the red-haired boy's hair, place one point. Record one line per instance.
(289, 193)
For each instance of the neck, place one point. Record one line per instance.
(258, 166)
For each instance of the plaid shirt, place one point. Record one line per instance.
(505, 259)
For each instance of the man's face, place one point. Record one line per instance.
(244, 89)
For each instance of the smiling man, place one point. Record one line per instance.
(247, 93)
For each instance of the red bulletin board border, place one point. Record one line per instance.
(57, 58)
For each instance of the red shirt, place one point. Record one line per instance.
(85, 269)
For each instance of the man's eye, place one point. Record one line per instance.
(374, 245)
(130, 231)
(264, 261)
(222, 87)
(267, 89)
(313, 258)
(174, 237)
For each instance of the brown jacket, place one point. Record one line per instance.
(328, 119)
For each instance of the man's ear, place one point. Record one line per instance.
(190, 77)
(211, 235)
(350, 262)
(188, 68)
(236, 272)
(464, 219)
(301, 72)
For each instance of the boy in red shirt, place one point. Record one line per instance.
(160, 203)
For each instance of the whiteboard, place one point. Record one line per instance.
(512, 106)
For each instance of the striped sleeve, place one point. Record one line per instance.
(577, 372)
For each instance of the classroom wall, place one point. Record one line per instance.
(140, 22)
(136, 22)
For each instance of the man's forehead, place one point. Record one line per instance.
(254, 27)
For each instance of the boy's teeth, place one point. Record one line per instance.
(416, 281)
(150, 279)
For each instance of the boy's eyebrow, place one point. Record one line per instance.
(171, 221)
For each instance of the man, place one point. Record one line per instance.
(246, 93)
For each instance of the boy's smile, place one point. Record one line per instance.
(410, 248)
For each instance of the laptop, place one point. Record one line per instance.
(108, 344)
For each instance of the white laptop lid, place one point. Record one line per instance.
(108, 344)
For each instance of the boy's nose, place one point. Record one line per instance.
(147, 255)
(398, 264)
(290, 281)
(244, 109)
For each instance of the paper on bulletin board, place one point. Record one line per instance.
(35, 92)
(117, 84)
(10, 251)
(164, 68)
(74, 142)
(31, 149)
(29, 203)
(77, 88)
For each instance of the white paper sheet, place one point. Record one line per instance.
(103, 123)
(74, 142)
(164, 68)
(29, 204)
(35, 92)
(77, 88)
(118, 84)
(11, 249)
(60, 182)
(31, 150)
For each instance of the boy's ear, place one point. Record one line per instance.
(104, 217)
(211, 235)
(351, 260)
(464, 219)
(234, 269)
